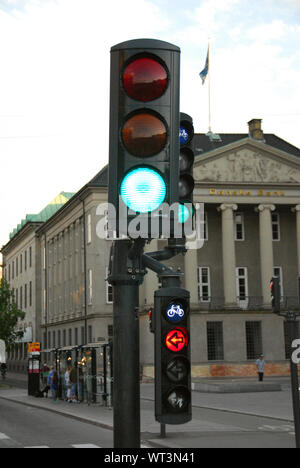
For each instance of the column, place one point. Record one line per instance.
(228, 249)
(266, 249)
(191, 275)
(296, 209)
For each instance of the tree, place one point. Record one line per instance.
(9, 315)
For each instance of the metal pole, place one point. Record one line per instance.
(292, 332)
(126, 400)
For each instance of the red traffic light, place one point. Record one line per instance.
(145, 79)
(176, 339)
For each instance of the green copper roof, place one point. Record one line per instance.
(46, 213)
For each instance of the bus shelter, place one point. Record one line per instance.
(96, 365)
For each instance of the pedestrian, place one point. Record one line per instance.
(53, 382)
(260, 364)
(74, 383)
(45, 372)
(68, 384)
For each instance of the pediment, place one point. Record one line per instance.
(247, 163)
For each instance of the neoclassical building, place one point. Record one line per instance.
(250, 187)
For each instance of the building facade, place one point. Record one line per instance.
(250, 187)
(21, 265)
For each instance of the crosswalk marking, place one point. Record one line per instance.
(80, 446)
(3, 436)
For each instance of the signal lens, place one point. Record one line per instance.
(144, 135)
(178, 369)
(186, 132)
(178, 399)
(186, 159)
(176, 339)
(183, 213)
(145, 79)
(143, 190)
(183, 136)
(186, 185)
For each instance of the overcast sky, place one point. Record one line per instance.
(54, 81)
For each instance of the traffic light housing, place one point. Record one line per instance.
(172, 356)
(186, 162)
(275, 294)
(144, 122)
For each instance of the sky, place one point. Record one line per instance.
(54, 81)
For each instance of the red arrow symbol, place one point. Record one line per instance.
(175, 340)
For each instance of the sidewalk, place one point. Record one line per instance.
(274, 405)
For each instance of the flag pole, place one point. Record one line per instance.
(209, 103)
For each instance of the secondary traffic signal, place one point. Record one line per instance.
(186, 162)
(172, 356)
(144, 122)
(275, 294)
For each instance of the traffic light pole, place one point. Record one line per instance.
(126, 273)
(126, 276)
(291, 321)
(292, 333)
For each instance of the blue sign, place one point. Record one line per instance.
(183, 136)
(175, 312)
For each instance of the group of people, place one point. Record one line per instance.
(72, 388)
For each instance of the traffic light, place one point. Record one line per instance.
(144, 122)
(151, 320)
(275, 294)
(186, 162)
(172, 356)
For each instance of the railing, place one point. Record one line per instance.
(215, 303)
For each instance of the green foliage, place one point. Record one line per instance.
(9, 314)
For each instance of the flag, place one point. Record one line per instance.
(204, 72)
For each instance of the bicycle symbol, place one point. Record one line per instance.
(175, 311)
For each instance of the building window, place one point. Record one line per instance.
(90, 286)
(70, 336)
(253, 340)
(30, 257)
(215, 344)
(30, 294)
(44, 258)
(90, 334)
(21, 297)
(205, 227)
(109, 290)
(64, 338)
(83, 335)
(89, 228)
(25, 296)
(204, 293)
(275, 227)
(239, 227)
(277, 271)
(242, 286)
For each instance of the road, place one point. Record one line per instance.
(22, 426)
(25, 427)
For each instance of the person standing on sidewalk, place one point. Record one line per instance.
(260, 364)
(74, 383)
